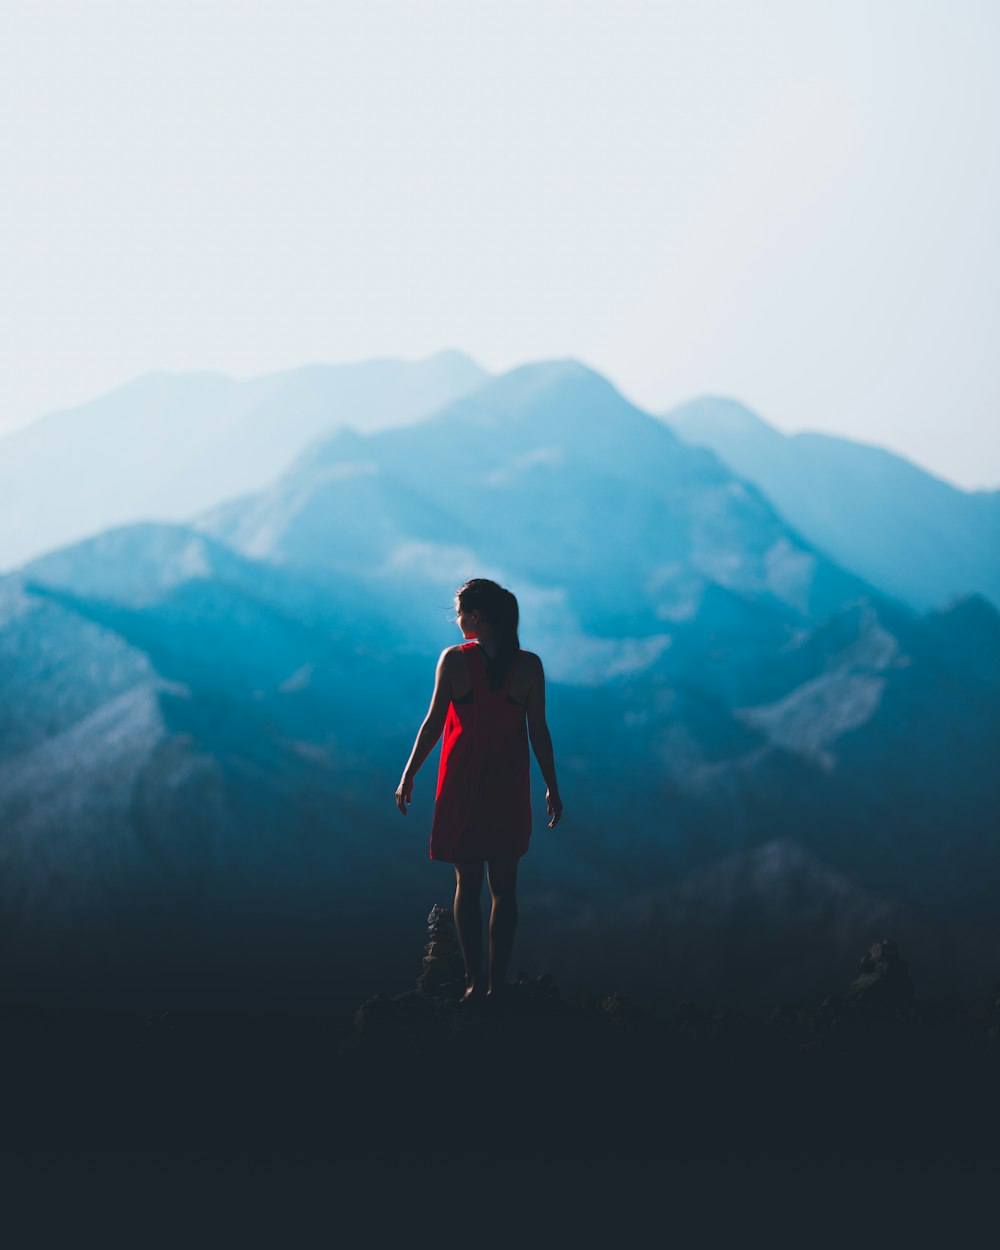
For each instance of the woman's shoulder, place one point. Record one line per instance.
(449, 654)
(454, 659)
(530, 662)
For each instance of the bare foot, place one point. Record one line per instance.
(497, 995)
(473, 992)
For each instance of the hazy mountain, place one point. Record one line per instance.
(874, 512)
(166, 445)
(731, 656)
(185, 752)
(611, 525)
(202, 743)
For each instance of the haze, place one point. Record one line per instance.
(791, 204)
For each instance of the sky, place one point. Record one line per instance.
(790, 202)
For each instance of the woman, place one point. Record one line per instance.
(489, 696)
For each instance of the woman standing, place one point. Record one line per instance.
(489, 697)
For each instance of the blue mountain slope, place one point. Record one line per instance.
(550, 472)
(874, 512)
(717, 687)
(167, 445)
(249, 747)
(190, 743)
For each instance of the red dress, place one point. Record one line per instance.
(483, 805)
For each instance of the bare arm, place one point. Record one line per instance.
(428, 733)
(541, 744)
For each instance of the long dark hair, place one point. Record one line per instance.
(499, 607)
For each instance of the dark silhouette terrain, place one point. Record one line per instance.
(870, 1072)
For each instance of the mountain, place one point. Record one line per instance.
(202, 725)
(730, 659)
(184, 754)
(166, 445)
(874, 512)
(612, 525)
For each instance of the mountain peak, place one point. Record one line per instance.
(526, 387)
(453, 356)
(717, 414)
(970, 612)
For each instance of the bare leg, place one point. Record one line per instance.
(503, 921)
(469, 920)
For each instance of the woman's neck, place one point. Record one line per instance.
(486, 641)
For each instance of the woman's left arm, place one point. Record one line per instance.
(541, 744)
(428, 734)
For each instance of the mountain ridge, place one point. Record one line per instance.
(717, 686)
(914, 535)
(165, 445)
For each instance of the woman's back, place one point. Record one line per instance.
(483, 802)
(489, 703)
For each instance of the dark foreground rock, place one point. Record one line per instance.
(871, 1073)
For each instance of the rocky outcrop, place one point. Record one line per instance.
(443, 970)
(872, 1071)
(870, 1067)
(884, 981)
(878, 1007)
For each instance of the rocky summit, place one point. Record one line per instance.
(872, 1070)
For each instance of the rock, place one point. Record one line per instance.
(622, 1012)
(443, 968)
(884, 980)
(375, 1015)
(535, 995)
(440, 916)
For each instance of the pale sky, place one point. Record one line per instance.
(790, 202)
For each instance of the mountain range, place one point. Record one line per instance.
(912, 534)
(203, 723)
(166, 445)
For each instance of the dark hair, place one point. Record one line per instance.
(499, 607)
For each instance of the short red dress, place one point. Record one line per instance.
(483, 805)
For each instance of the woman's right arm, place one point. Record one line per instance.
(428, 733)
(541, 744)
